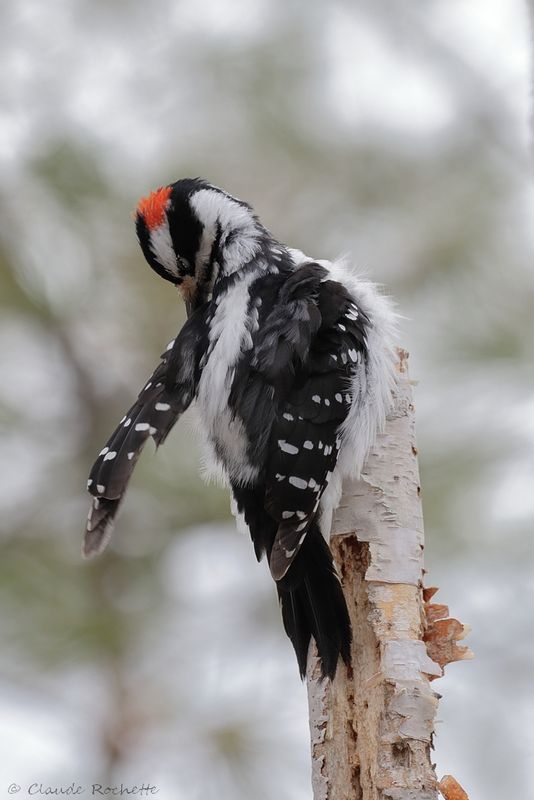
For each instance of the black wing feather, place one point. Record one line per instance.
(165, 396)
(323, 334)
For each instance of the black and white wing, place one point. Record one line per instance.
(306, 355)
(165, 396)
(305, 437)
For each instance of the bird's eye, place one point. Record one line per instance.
(183, 264)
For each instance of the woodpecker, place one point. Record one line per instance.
(290, 362)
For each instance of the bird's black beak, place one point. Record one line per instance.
(192, 302)
(191, 295)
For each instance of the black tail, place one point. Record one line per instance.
(313, 604)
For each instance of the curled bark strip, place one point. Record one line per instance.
(442, 635)
(451, 789)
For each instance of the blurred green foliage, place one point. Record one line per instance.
(166, 654)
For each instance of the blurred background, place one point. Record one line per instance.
(397, 133)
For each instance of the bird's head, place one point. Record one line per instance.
(190, 231)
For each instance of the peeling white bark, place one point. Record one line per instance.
(372, 727)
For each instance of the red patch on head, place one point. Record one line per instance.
(152, 208)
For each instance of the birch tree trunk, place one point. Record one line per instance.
(372, 727)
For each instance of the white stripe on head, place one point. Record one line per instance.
(163, 250)
(213, 206)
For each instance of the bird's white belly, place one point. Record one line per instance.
(224, 430)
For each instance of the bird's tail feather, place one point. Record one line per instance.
(313, 605)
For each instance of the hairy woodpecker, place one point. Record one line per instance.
(291, 364)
